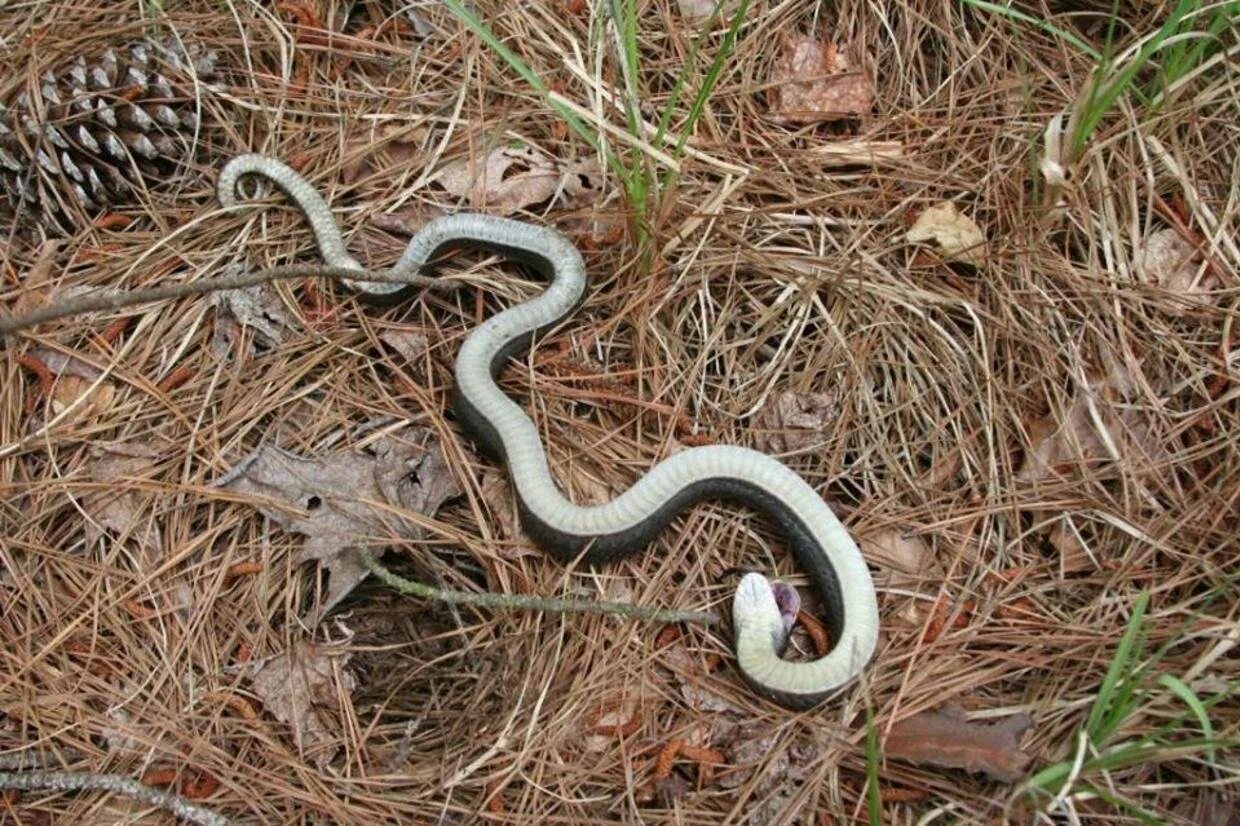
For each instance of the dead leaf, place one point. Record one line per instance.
(121, 507)
(69, 389)
(502, 505)
(945, 738)
(699, 11)
(348, 500)
(613, 718)
(777, 772)
(814, 81)
(958, 238)
(1056, 447)
(37, 280)
(797, 421)
(582, 182)
(388, 146)
(74, 381)
(407, 221)
(1074, 556)
(903, 557)
(300, 687)
(410, 344)
(1169, 261)
(259, 308)
(507, 179)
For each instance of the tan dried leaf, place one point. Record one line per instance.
(815, 81)
(613, 718)
(505, 181)
(259, 308)
(582, 182)
(1167, 260)
(387, 146)
(75, 377)
(349, 501)
(120, 506)
(68, 390)
(300, 688)
(698, 11)
(1074, 556)
(903, 557)
(410, 344)
(797, 421)
(945, 738)
(1057, 447)
(502, 506)
(958, 238)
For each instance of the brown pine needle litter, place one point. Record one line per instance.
(1004, 348)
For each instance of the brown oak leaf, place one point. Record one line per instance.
(815, 81)
(348, 501)
(299, 687)
(945, 738)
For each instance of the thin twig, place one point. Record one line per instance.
(128, 298)
(520, 602)
(115, 783)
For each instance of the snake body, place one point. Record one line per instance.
(603, 533)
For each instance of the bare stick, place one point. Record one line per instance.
(115, 783)
(519, 602)
(117, 300)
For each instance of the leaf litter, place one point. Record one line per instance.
(301, 687)
(508, 179)
(947, 738)
(956, 234)
(814, 81)
(348, 501)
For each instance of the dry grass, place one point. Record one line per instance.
(771, 272)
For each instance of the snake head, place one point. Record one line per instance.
(757, 613)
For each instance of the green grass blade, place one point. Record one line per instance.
(874, 795)
(467, 16)
(1103, 98)
(1110, 706)
(1037, 23)
(712, 76)
(1180, 689)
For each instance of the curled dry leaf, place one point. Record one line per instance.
(797, 421)
(509, 179)
(612, 719)
(259, 308)
(1167, 260)
(350, 500)
(300, 687)
(506, 180)
(1056, 447)
(778, 772)
(72, 388)
(958, 238)
(698, 11)
(388, 146)
(119, 505)
(945, 738)
(410, 344)
(859, 152)
(904, 557)
(815, 81)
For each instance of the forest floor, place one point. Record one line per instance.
(971, 270)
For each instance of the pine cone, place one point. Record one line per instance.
(99, 129)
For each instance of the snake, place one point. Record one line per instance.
(603, 533)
